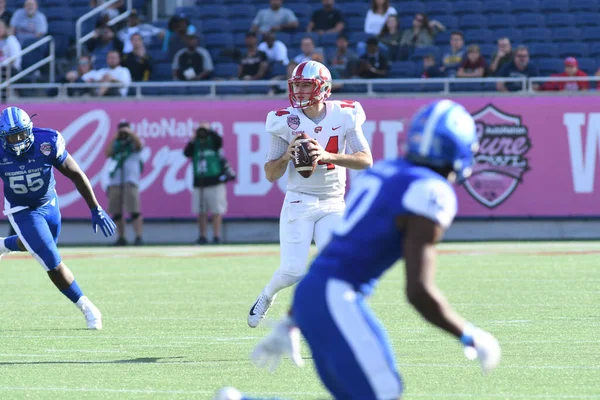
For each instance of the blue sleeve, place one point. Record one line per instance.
(59, 152)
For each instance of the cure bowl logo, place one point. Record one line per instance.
(293, 121)
(501, 160)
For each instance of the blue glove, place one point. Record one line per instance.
(101, 218)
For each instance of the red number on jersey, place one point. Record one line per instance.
(281, 112)
(332, 147)
(347, 104)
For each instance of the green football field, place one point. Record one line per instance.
(175, 325)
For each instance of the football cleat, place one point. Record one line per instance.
(259, 310)
(3, 250)
(93, 316)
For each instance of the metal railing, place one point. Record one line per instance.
(371, 87)
(50, 59)
(80, 40)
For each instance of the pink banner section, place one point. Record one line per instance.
(538, 155)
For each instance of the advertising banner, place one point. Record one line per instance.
(538, 155)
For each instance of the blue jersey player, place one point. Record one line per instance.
(27, 158)
(398, 209)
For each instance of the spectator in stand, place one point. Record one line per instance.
(571, 69)
(377, 16)
(390, 36)
(452, 59)
(28, 22)
(373, 64)
(112, 10)
(179, 26)
(473, 65)
(327, 20)
(430, 68)
(103, 41)
(138, 61)
(275, 50)
(518, 67)
(113, 74)
(307, 45)
(147, 32)
(275, 18)
(420, 35)
(502, 56)
(344, 61)
(193, 63)
(84, 65)
(9, 46)
(254, 65)
(5, 15)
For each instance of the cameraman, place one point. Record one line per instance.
(211, 172)
(123, 194)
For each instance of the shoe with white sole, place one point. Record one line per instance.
(259, 310)
(93, 316)
(3, 250)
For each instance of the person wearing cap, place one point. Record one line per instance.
(571, 69)
(373, 64)
(123, 181)
(193, 63)
(519, 67)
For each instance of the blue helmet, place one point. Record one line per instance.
(442, 135)
(16, 130)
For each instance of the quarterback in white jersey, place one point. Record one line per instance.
(313, 206)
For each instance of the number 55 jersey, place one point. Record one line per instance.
(28, 178)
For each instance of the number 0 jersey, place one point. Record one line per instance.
(29, 178)
(342, 118)
(367, 242)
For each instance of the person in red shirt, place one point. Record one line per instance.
(571, 69)
(473, 65)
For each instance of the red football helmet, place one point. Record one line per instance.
(319, 78)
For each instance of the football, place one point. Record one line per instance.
(302, 161)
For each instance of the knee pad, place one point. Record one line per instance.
(135, 216)
(116, 217)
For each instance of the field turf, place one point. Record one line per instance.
(175, 324)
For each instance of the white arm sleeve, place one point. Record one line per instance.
(433, 199)
(277, 148)
(356, 141)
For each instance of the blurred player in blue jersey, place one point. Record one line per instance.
(31, 203)
(396, 210)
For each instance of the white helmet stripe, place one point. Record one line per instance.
(432, 121)
(11, 119)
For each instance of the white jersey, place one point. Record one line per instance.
(342, 118)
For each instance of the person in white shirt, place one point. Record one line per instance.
(146, 31)
(275, 50)
(313, 206)
(115, 73)
(377, 16)
(9, 46)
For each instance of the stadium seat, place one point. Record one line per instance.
(403, 69)
(230, 90)
(420, 52)
(239, 40)
(66, 28)
(355, 24)
(573, 50)
(479, 36)
(327, 39)
(164, 91)
(54, 3)
(298, 36)
(356, 37)
(355, 9)
(410, 8)
(442, 38)
(487, 50)
(515, 36)
(584, 5)
(467, 7)
(216, 26)
(590, 34)
(189, 11)
(449, 22)
(162, 72)
(495, 7)
(241, 24)
(213, 40)
(407, 20)
(594, 50)
(226, 70)
(587, 65)
(209, 11)
(529, 20)
(285, 38)
(561, 20)
(566, 35)
(242, 10)
(550, 66)
(435, 8)
(159, 56)
(263, 90)
(584, 19)
(536, 35)
(277, 69)
(300, 9)
(543, 50)
(551, 6)
(499, 21)
(524, 6)
(472, 21)
(58, 13)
